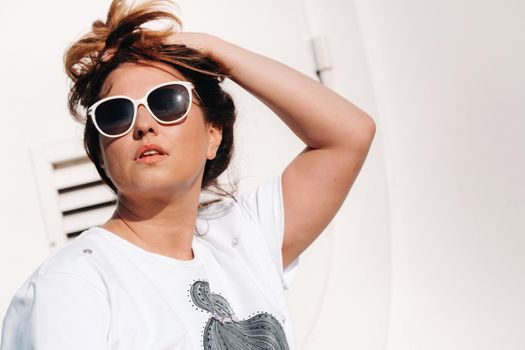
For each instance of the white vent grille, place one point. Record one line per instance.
(73, 197)
(83, 198)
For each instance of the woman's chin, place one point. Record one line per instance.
(158, 182)
(147, 194)
(154, 188)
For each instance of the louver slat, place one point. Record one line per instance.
(84, 219)
(85, 197)
(74, 175)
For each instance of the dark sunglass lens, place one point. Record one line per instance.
(115, 116)
(170, 102)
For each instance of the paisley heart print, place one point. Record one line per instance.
(224, 331)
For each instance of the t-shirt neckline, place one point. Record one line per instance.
(116, 239)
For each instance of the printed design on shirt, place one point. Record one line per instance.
(224, 331)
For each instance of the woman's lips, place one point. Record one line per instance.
(149, 154)
(151, 159)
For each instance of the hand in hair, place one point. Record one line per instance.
(202, 42)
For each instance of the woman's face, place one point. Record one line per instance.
(187, 144)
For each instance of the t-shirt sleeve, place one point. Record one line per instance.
(56, 311)
(265, 206)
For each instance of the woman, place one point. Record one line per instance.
(165, 271)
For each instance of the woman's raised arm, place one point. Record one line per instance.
(337, 133)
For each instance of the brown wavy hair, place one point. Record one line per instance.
(125, 38)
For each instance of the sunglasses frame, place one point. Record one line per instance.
(142, 101)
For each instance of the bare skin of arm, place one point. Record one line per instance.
(337, 135)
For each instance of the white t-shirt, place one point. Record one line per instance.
(100, 291)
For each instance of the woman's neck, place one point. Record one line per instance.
(158, 226)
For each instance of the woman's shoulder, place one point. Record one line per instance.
(61, 300)
(75, 259)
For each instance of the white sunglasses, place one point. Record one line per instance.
(168, 103)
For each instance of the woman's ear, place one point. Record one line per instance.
(214, 140)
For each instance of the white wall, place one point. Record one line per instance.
(340, 297)
(448, 77)
(355, 307)
(32, 97)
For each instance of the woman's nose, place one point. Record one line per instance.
(145, 123)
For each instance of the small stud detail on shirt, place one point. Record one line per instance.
(235, 241)
(87, 251)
